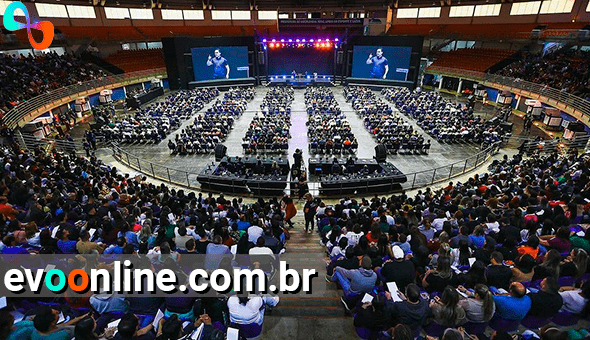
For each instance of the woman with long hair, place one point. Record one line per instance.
(437, 279)
(476, 275)
(576, 264)
(446, 309)
(384, 247)
(479, 305)
(549, 267)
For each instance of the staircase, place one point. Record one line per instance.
(319, 316)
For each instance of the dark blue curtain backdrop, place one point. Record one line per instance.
(308, 59)
(237, 56)
(397, 58)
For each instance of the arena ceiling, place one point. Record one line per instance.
(274, 4)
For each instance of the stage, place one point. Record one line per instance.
(301, 80)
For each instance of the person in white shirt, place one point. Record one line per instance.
(354, 235)
(254, 232)
(439, 221)
(575, 300)
(260, 249)
(249, 310)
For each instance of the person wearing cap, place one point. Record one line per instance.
(360, 280)
(398, 269)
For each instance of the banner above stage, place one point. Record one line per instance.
(315, 22)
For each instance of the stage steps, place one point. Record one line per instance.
(316, 317)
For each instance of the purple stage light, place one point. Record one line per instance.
(282, 40)
(297, 40)
(290, 40)
(303, 40)
(336, 39)
(263, 40)
(273, 40)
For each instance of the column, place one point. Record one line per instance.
(459, 88)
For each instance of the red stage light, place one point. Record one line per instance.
(271, 45)
(322, 45)
(317, 45)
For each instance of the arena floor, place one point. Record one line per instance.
(439, 155)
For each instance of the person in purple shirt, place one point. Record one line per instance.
(10, 246)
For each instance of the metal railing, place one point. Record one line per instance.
(548, 94)
(45, 102)
(415, 180)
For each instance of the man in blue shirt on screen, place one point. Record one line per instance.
(220, 66)
(380, 66)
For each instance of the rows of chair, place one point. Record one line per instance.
(328, 131)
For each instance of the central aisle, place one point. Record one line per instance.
(298, 126)
(234, 138)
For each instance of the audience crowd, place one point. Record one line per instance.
(155, 121)
(269, 129)
(62, 204)
(506, 247)
(22, 78)
(212, 127)
(388, 128)
(328, 130)
(444, 120)
(566, 69)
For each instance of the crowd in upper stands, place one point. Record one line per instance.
(388, 128)
(153, 122)
(328, 130)
(63, 204)
(212, 127)
(566, 69)
(24, 77)
(506, 247)
(269, 129)
(444, 120)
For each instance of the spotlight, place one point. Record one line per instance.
(317, 45)
(282, 40)
(303, 40)
(328, 40)
(290, 40)
(263, 40)
(322, 45)
(297, 40)
(336, 39)
(284, 77)
(311, 40)
(273, 40)
(320, 40)
(272, 45)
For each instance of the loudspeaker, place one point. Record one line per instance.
(260, 58)
(506, 126)
(339, 57)
(380, 153)
(220, 151)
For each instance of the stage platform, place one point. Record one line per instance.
(378, 84)
(301, 81)
(143, 98)
(222, 84)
